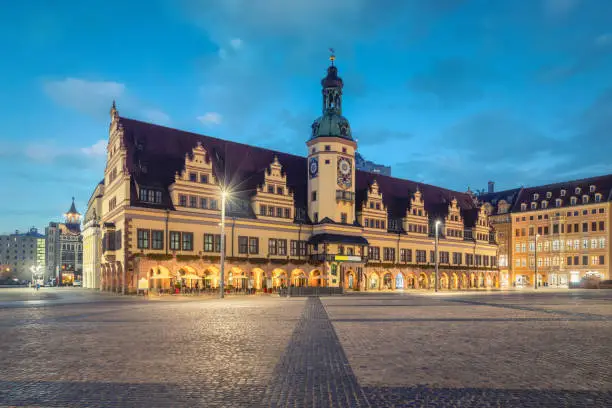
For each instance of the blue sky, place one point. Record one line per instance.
(447, 92)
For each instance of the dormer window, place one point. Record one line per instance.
(597, 197)
(573, 201)
(523, 207)
(548, 194)
(585, 199)
(534, 205)
(280, 190)
(535, 196)
(544, 204)
(577, 190)
(193, 177)
(271, 189)
(563, 193)
(204, 178)
(592, 189)
(558, 202)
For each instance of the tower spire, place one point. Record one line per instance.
(332, 56)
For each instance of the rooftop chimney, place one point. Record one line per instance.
(491, 187)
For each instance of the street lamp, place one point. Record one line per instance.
(438, 222)
(535, 265)
(224, 195)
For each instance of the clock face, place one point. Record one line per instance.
(313, 167)
(344, 172)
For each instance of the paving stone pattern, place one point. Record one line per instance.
(452, 350)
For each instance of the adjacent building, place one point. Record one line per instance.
(23, 253)
(92, 239)
(560, 231)
(64, 248)
(312, 220)
(371, 167)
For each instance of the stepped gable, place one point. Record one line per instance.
(162, 151)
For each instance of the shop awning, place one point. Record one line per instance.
(337, 239)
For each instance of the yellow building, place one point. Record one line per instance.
(92, 239)
(559, 230)
(290, 220)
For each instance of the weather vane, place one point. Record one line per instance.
(332, 56)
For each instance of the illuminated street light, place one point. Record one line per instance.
(224, 195)
(438, 222)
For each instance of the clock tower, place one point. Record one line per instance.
(331, 157)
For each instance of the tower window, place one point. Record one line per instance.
(313, 196)
(313, 150)
(327, 148)
(204, 178)
(193, 177)
(316, 217)
(344, 150)
(326, 161)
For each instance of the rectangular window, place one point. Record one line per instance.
(143, 238)
(213, 204)
(594, 226)
(280, 190)
(444, 257)
(187, 241)
(209, 243)
(272, 246)
(262, 209)
(457, 258)
(601, 259)
(203, 178)
(313, 196)
(279, 212)
(183, 200)
(271, 211)
(432, 256)
(282, 247)
(193, 177)
(203, 203)
(218, 243)
(406, 255)
(374, 253)
(175, 241)
(287, 212)
(253, 245)
(601, 226)
(193, 201)
(569, 261)
(271, 189)
(389, 254)
(243, 245)
(157, 239)
(343, 218)
(555, 228)
(585, 227)
(469, 259)
(585, 260)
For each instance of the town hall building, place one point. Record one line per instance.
(312, 220)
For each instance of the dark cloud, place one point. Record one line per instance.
(452, 80)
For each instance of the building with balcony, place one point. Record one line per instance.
(289, 220)
(561, 230)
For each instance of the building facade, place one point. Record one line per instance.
(289, 220)
(369, 166)
(92, 239)
(559, 231)
(23, 253)
(64, 247)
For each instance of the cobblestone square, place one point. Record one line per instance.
(74, 348)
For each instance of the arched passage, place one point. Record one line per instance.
(279, 278)
(298, 278)
(373, 281)
(388, 280)
(399, 281)
(454, 281)
(259, 278)
(423, 281)
(443, 280)
(316, 278)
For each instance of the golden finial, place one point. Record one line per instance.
(332, 56)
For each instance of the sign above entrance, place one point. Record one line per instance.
(347, 258)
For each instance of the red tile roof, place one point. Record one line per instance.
(162, 151)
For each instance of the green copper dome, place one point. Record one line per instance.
(331, 124)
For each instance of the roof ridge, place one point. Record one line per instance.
(582, 180)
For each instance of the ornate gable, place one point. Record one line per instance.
(481, 230)
(416, 221)
(273, 198)
(196, 188)
(373, 212)
(453, 222)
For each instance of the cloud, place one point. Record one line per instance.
(95, 97)
(604, 40)
(211, 118)
(82, 95)
(236, 43)
(559, 8)
(452, 80)
(95, 150)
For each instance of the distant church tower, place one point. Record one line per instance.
(331, 157)
(73, 218)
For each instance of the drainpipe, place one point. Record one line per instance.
(167, 237)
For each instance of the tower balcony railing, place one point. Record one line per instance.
(345, 195)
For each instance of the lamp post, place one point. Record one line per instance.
(436, 253)
(222, 272)
(535, 265)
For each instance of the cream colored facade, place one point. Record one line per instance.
(158, 234)
(562, 231)
(92, 240)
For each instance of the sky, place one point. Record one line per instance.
(447, 92)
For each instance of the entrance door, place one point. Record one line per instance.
(350, 281)
(399, 281)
